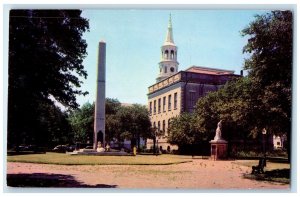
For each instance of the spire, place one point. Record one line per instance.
(169, 38)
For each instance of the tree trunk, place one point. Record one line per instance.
(138, 142)
(288, 147)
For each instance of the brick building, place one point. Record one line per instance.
(177, 92)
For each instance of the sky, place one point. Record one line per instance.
(209, 38)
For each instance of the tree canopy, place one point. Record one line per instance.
(270, 43)
(46, 51)
(230, 104)
(82, 123)
(182, 130)
(134, 123)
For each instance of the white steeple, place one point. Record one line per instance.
(169, 38)
(168, 64)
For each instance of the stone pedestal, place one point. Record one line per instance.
(218, 149)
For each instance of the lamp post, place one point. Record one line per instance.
(264, 132)
(156, 138)
(155, 141)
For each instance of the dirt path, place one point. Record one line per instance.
(199, 174)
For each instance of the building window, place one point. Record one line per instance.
(172, 69)
(166, 69)
(158, 126)
(164, 104)
(169, 102)
(175, 100)
(159, 105)
(168, 130)
(164, 126)
(192, 100)
(150, 108)
(154, 125)
(166, 54)
(154, 107)
(172, 54)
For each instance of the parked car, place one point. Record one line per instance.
(60, 148)
(30, 148)
(71, 148)
(22, 147)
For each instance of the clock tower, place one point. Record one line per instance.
(168, 64)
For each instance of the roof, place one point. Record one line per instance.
(210, 71)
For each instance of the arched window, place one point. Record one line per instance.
(166, 69)
(166, 54)
(172, 69)
(172, 54)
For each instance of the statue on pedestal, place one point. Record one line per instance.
(218, 135)
(218, 144)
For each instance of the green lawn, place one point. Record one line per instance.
(65, 159)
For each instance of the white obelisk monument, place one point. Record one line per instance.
(99, 122)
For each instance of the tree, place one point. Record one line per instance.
(56, 126)
(134, 123)
(231, 104)
(142, 124)
(270, 44)
(46, 51)
(112, 106)
(82, 122)
(112, 125)
(183, 131)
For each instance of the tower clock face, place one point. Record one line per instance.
(172, 69)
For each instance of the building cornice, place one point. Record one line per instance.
(190, 77)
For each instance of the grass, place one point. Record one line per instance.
(65, 159)
(274, 172)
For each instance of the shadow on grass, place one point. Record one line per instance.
(48, 180)
(280, 175)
